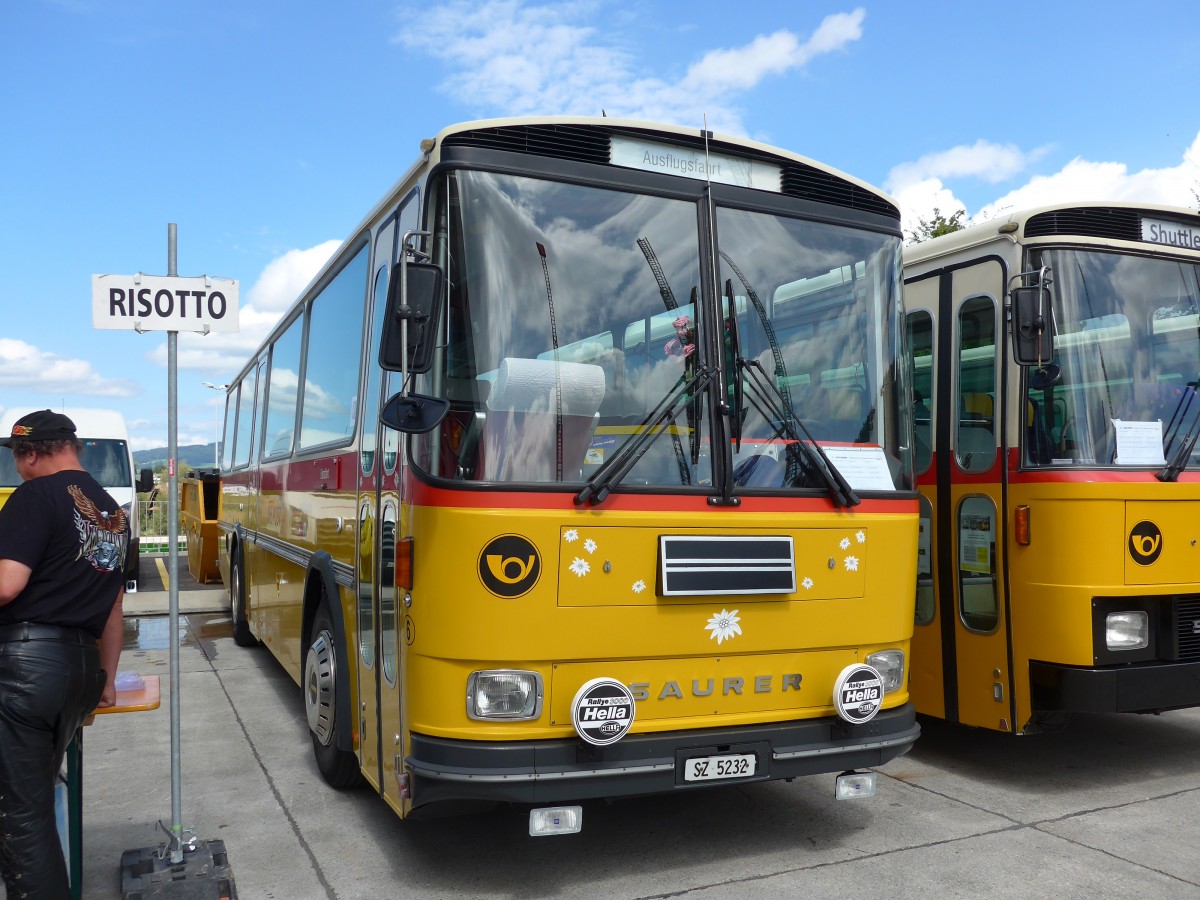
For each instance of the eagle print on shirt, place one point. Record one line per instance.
(103, 537)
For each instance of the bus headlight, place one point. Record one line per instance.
(1127, 630)
(889, 664)
(504, 694)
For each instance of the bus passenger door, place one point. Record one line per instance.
(973, 511)
(925, 675)
(370, 476)
(960, 667)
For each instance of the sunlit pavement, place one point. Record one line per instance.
(1106, 808)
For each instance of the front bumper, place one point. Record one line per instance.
(559, 771)
(1137, 687)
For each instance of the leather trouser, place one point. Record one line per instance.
(47, 689)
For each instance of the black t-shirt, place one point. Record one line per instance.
(73, 536)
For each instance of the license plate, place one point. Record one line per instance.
(732, 765)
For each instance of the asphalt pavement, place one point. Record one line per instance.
(1109, 807)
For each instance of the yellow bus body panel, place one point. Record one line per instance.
(605, 618)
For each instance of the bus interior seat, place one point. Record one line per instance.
(520, 439)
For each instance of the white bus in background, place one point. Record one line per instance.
(106, 455)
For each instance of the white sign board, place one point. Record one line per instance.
(1171, 234)
(164, 303)
(670, 159)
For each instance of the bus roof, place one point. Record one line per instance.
(1086, 222)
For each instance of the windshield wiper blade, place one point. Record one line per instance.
(765, 392)
(618, 465)
(1183, 452)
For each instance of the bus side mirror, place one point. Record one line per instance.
(413, 300)
(413, 413)
(1033, 326)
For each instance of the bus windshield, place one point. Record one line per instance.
(1122, 388)
(106, 459)
(574, 311)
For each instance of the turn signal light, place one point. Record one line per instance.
(1021, 525)
(404, 563)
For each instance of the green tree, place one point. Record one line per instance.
(937, 226)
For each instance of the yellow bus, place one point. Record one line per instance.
(582, 471)
(1056, 355)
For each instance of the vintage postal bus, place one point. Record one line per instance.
(1056, 355)
(583, 470)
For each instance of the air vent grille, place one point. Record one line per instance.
(573, 142)
(1187, 617)
(814, 184)
(1089, 221)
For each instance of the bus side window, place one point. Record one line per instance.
(978, 605)
(975, 429)
(920, 349)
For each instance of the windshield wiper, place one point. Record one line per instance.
(1185, 443)
(772, 408)
(617, 466)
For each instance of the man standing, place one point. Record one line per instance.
(62, 551)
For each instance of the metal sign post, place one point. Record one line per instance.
(172, 304)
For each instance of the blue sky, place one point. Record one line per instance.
(266, 129)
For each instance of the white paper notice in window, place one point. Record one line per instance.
(1139, 443)
(865, 468)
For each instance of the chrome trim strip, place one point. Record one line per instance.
(906, 738)
(540, 776)
(343, 573)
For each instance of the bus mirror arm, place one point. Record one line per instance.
(413, 413)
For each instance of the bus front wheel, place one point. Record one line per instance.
(338, 767)
(237, 604)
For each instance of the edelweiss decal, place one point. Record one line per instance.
(850, 562)
(724, 626)
(103, 538)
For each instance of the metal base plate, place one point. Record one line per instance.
(204, 874)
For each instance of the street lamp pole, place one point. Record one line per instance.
(216, 424)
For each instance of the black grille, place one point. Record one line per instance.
(1089, 221)
(1187, 619)
(575, 142)
(591, 144)
(823, 187)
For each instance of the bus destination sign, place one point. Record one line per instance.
(692, 163)
(1171, 234)
(164, 303)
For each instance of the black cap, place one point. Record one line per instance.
(43, 425)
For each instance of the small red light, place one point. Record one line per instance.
(1021, 526)
(404, 563)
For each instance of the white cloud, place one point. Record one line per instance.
(24, 367)
(993, 163)
(514, 58)
(1081, 179)
(928, 183)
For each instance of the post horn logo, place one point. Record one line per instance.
(509, 566)
(1145, 542)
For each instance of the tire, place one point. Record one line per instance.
(237, 604)
(338, 767)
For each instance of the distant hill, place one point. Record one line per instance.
(192, 456)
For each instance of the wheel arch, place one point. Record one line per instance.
(321, 582)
